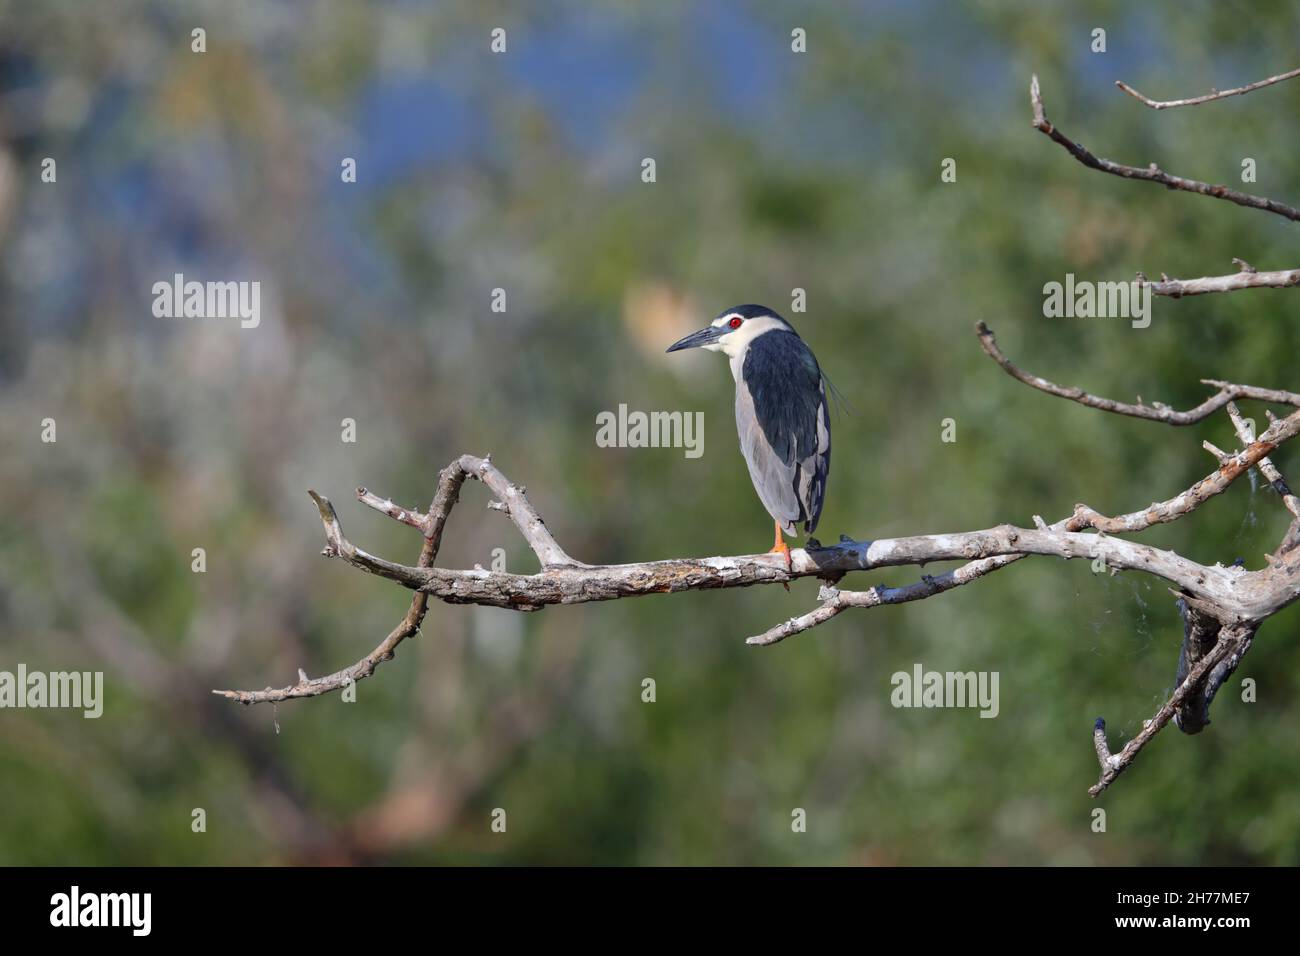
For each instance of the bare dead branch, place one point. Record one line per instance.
(1221, 607)
(575, 583)
(1245, 598)
(1208, 97)
(834, 600)
(1231, 645)
(1156, 412)
(1151, 173)
(432, 524)
(1246, 432)
(518, 509)
(1215, 483)
(1244, 278)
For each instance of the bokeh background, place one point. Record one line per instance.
(775, 171)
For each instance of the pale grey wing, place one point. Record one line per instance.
(774, 480)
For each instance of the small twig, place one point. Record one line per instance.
(413, 518)
(832, 604)
(1220, 455)
(1208, 97)
(1151, 173)
(519, 510)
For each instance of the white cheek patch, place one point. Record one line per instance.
(735, 342)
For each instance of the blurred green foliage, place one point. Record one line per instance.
(521, 171)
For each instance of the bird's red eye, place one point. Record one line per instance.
(735, 322)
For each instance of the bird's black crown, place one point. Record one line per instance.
(752, 311)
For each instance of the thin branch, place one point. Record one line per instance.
(515, 503)
(1215, 483)
(449, 482)
(1156, 412)
(416, 519)
(1231, 644)
(1245, 278)
(1151, 173)
(305, 686)
(1246, 432)
(834, 600)
(1208, 97)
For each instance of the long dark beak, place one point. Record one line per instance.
(702, 337)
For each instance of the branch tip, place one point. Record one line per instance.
(1214, 94)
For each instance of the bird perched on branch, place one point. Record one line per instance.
(781, 413)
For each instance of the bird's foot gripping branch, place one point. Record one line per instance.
(1222, 607)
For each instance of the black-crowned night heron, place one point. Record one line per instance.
(781, 413)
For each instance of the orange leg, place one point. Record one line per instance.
(780, 547)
